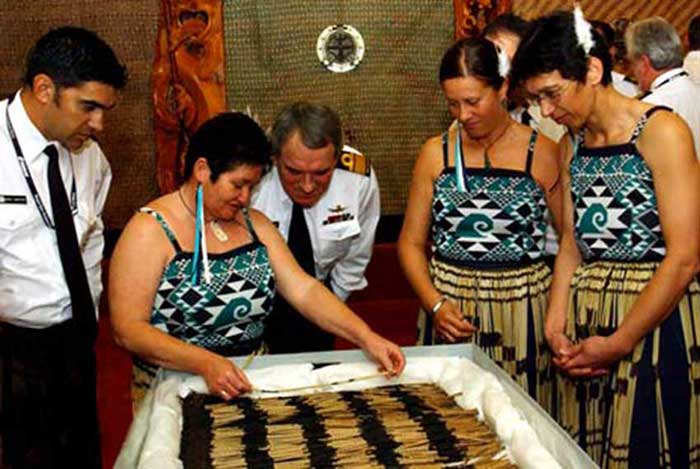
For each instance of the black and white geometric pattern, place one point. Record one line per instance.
(616, 212)
(500, 218)
(229, 310)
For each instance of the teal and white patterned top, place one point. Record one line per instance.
(498, 220)
(616, 213)
(227, 315)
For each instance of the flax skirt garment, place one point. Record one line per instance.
(508, 307)
(645, 413)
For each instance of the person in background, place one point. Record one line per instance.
(506, 32)
(691, 63)
(195, 272)
(620, 81)
(54, 181)
(621, 319)
(479, 194)
(656, 59)
(323, 196)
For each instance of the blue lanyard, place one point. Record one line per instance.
(459, 164)
(28, 176)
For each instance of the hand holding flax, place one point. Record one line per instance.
(224, 378)
(387, 354)
(450, 323)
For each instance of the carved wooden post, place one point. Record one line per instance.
(188, 79)
(471, 16)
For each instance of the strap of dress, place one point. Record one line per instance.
(249, 224)
(530, 152)
(576, 139)
(643, 121)
(445, 160)
(163, 224)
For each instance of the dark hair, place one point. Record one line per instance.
(226, 141)
(551, 45)
(605, 30)
(509, 23)
(472, 57)
(620, 25)
(72, 56)
(317, 124)
(694, 33)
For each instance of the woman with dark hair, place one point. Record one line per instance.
(622, 316)
(194, 274)
(484, 187)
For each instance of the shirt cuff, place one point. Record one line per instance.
(340, 292)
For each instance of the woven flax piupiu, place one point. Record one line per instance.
(488, 250)
(644, 413)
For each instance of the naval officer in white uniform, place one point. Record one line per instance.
(324, 198)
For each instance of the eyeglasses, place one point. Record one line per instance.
(552, 95)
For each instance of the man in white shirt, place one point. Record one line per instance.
(656, 58)
(324, 199)
(53, 184)
(691, 63)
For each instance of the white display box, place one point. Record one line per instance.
(155, 432)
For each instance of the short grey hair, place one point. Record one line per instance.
(657, 39)
(317, 124)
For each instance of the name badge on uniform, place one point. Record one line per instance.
(13, 199)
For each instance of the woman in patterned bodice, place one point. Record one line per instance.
(479, 194)
(623, 318)
(194, 275)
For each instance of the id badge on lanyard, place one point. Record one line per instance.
(28, 176)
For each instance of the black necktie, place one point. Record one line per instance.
(287, 331)
(69, 251)
(299, 241)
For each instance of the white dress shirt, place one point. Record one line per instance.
(623, 85)
(341, 224)
(681, 95)
(691, 64)
(33, 289)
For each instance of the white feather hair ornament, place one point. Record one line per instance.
(248, 112)
(503, 62)
(584, 30)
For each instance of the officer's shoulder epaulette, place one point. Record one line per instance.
(353, 161)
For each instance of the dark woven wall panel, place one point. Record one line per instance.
(676, 12)
(129, 26)
(389, 105)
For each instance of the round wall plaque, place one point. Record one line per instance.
(340, 48)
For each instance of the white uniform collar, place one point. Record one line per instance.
(280, 189)
(665, 76)
(31, 140)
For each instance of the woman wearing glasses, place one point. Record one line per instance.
(622, 318)
(483, 187)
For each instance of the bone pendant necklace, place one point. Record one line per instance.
(218, 231)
